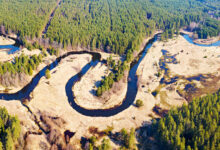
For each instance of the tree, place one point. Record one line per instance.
(105, 145)
(131, 140)
(10, 130)
(1, 146)
(30, 71)
(9, 144)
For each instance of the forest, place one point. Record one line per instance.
(117, 26)
(26, 18)
(110, 25)
(9, 130)
(195, 126)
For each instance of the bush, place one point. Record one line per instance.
(108, 130)
(139, 103)
(47, 74)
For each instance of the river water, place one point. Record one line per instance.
(131, 88)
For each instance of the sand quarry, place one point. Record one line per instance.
(49, 96)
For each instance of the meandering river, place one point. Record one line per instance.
(131, 89)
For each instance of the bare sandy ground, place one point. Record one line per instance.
(6, 41)
(192, 60)
(207, 41)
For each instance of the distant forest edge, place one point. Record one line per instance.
(116, 26)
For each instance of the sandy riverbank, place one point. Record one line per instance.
(207, 41)
(6, 41)
(4, 56)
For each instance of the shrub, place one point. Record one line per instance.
(139, 103)
(47, 74)
(108, 130)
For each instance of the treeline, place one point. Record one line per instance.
(195, 126)
(9, 130)
(110, 25)
(26, 18)
(12, 73)
(21, 64)
(117, 26)
(208, 28)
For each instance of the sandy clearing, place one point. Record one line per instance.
(52, 91)
(36, 142)
(192, 60)
(84, 90)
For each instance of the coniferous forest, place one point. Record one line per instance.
(9, 130)
(25, 17)
(111, 25)
(195, 126)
